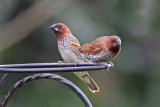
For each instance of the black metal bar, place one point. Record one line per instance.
(40, 65)
(51, 70)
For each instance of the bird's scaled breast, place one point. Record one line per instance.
(68, 53)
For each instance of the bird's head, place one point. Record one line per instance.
(61, 30)
(114, 44)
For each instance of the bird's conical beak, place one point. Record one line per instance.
(118, 42)
(54, 27)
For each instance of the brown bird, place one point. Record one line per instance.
(102, 49)
(71, 54)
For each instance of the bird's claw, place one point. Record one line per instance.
(75, 64)
(60, 61)
(110, 66)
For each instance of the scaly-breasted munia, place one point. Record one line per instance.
(102, 49)
(71, 54)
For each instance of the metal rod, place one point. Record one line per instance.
(3, 79)
(51, 70)
(40, 65)
(51, 67)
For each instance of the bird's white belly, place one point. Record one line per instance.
(69, 56)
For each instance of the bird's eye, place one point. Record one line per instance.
(112, 40)
(60, 26)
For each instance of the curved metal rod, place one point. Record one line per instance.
(3, 79)
(58, 78)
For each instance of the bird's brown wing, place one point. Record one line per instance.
(87, 48)
(94, 47)
(90, 49)
(75, 45)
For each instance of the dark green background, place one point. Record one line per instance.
(135, 80)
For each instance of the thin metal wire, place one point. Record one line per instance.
(58, 78)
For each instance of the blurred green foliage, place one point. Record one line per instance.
(135, 79)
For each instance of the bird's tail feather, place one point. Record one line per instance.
(85, 77)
